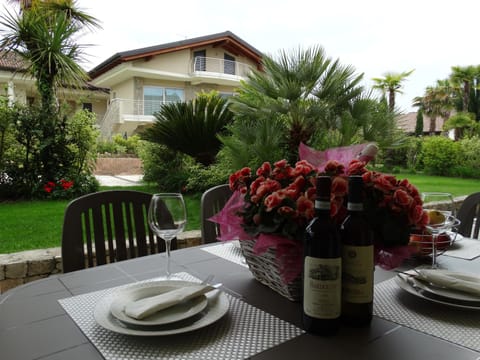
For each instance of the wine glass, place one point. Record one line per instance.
(167, 217)
(441, 209)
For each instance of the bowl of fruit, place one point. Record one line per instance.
(438, 234)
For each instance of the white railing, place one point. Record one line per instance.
(215, 65)
(111, 117)
(124, 110)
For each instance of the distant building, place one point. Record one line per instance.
(407, 122)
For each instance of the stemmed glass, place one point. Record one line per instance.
(167, 217)
(442, 206)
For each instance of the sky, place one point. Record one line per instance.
(374, 36)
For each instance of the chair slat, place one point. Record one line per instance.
(111, 225)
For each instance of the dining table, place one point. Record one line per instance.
(54, 318)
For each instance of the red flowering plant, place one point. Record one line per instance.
(61, 189)
(274, 205)
(278, 200)
(393, 208)
(271, 206)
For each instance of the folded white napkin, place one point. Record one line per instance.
(142, 308)
(468, 283)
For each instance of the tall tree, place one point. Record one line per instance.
(44, 34)
(464, 78)
(419, 123)
(390, 85)
(436, 102)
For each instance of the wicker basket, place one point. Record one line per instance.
(265, 269)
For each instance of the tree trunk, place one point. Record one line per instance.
(433, 125)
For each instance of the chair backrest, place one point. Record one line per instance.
(211, 203)
(108, 226)
(469, 210)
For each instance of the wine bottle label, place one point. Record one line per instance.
(322, 205)
(357, 277)
(322, 287)
(354, 206)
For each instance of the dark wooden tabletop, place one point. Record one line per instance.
(33, 325)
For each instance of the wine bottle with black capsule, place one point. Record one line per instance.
(322, 267)
(357, 259)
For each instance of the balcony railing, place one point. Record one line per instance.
(121, 111)
(221, 66)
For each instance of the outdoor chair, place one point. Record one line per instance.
(211, 203)
(108, 226)
(469, 210)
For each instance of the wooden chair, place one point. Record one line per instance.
(211, 203)
(108, 226)
(469, 210)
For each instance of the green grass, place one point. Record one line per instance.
(455, 186)
(29, 225)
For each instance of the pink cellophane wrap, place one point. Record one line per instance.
(289, 253)
(390, 258)
(344, 154)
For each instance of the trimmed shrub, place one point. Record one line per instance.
(439, 154)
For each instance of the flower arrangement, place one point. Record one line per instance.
(274, 204)
(278, 200)
(393, 207)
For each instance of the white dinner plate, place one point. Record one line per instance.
(217, 307)
(455, 301)
(172, 314)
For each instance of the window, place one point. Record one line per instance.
(154, 97)
(225, 95)
(228, 64)
(87, 106)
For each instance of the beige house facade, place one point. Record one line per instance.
(19, 87)
(142, 80)
(129, 87)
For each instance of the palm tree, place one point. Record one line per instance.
(44, 35)
(301, 88)
(463, 78)
(437, 101)
(391, 85)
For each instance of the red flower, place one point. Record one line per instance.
(66, 184)
(392, 206)
(49, 186)
(279, 199)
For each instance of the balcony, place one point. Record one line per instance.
(218, 71)
(128, 113)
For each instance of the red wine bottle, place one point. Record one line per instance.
(322, 267)
(357, 259)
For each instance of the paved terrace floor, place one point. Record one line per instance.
(119, 180)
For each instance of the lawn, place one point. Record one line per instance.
(29, 225)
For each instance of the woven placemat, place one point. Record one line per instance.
(229, 250)
(459, 326)
(242, 333)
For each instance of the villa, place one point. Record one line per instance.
(141, 80)
(129, 87)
